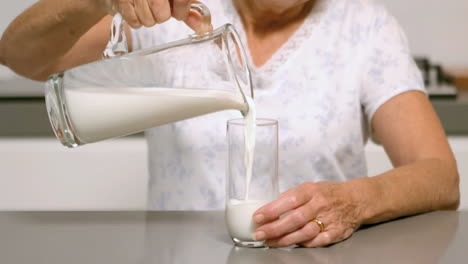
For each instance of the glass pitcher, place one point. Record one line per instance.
(126, 93)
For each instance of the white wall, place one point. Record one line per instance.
(435, 28)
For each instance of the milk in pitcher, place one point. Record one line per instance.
(98, 113)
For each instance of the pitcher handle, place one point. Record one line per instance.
(117, 44)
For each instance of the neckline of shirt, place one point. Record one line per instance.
(292, 45)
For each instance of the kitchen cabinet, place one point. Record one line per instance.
(40, 174)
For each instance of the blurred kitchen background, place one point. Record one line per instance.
(37, 173)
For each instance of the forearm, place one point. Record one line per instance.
(45, 32)
(422, 186)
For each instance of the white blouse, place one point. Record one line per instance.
(323, 86)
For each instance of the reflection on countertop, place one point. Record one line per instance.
(201, 237)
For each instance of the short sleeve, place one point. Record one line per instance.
(389, 68)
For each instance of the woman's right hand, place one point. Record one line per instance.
(148, 13)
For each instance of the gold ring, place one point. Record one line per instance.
(320, 224)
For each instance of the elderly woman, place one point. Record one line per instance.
(333, 72)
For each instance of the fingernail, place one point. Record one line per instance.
(258, 219)
(259, 235)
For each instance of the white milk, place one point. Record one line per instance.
(98, 114)
(249, 138)
(239, 218)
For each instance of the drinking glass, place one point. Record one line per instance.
(244, 198)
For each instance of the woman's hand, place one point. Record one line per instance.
(148, 13)
(332, 203)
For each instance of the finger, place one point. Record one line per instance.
(294, 220)
(291, 200)
(306, 233)
(161, 10)
(321, 240)
(193, 20)
(328, 237)
(180, 9)
(128, 13)
(144, 13)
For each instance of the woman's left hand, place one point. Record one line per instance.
(331, 203)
